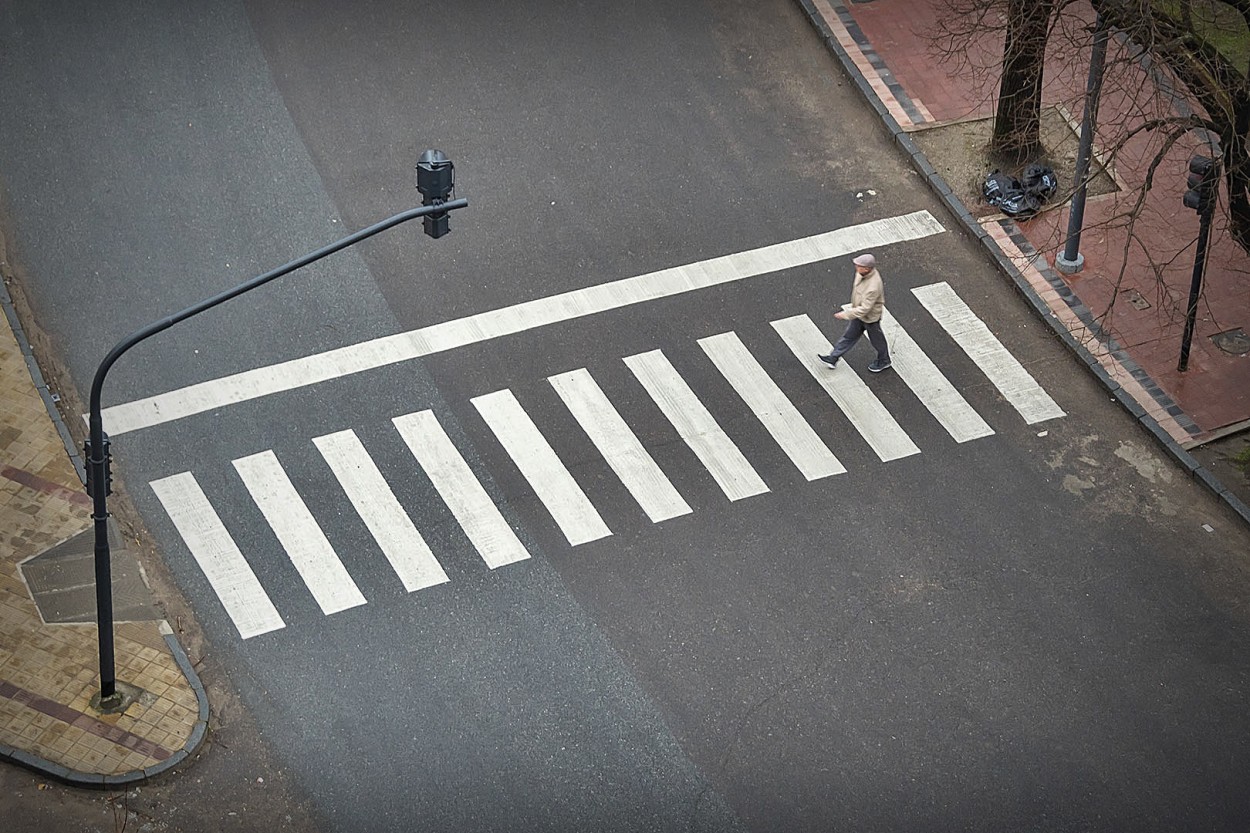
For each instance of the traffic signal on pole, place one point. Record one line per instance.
(1202, 183)
(436, 180)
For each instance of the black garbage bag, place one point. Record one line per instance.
(1020, 199)
(1040, 181)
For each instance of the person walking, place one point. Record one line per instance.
(864, 312)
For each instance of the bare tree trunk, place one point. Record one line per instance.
(1237, 173)
(1018, 123)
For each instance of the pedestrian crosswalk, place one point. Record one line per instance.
(537, 460)
(382, 513)
(298, 532)
(762, 395)
(619, 445)
(861, 406)
(228, 572)
(460, 489)
(696, 426)
(534, 449)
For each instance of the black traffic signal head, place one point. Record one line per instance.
(436, 180)
(1201, 181)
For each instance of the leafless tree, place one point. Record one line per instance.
(1172, 37)
(1175, 34)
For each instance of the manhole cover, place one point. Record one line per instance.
(1234, 342)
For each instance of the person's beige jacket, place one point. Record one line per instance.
(867, 297)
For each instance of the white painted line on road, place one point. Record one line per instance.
(932, 388)
(761, 394)
(305, 544)
(696, 426)
(567, 306)
(1014, 382)
(853, 397)
(619, 445)
(227, 571)
(476, 513)
(538, 462)
(378, 507)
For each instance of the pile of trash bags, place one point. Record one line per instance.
(1020, 198)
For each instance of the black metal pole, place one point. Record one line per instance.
(1071, 261)
(98, 474)
(1195, 286)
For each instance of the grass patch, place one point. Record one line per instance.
(1220, 25)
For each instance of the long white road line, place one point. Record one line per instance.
(473, 329)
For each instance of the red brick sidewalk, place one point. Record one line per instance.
(1127, 305)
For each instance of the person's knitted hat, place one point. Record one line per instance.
(867, 261)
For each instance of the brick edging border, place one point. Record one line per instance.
(943, 191)
(199, 731)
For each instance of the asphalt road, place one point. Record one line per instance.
(1028, 630)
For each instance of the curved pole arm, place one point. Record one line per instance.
(97, 384)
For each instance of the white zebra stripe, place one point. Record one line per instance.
(696, 426)
(619, 446)
(540, 465)
(227, 571)
(853, 397)
(456, 484)
(761, 394)
(1006, 373)
(305, 544)
(377, 506)
(930, 386)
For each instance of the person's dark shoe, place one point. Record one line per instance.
(830, 359)
(877, 366)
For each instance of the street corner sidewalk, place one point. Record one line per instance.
(50, 672)
(1123, 314)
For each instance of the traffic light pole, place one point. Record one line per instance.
(1070, 260)
(96, 448)
(1195, 286)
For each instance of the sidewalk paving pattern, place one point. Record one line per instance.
(49, 672)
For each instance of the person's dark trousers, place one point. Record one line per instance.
(856, 329)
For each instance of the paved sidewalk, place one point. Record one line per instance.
(49, 672)
(1124, 312)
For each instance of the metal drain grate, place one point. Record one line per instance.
(1234, 342)
(62, 581)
